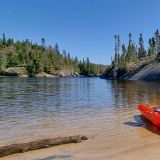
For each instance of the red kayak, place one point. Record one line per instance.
(151, 112)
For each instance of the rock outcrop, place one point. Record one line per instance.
(148, 71)
(44, 75)
(67, 73)
(151, 72)
(22, 72)
(15, 71)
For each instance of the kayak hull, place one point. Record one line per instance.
(149, 113)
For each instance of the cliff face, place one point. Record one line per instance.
(149, 71)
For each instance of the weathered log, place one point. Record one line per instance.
(39, 144)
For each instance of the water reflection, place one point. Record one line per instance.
(129, 93)
(29, 105)
(35, 108)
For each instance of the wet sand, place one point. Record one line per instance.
(148, 152)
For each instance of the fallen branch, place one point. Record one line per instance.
(39, 144)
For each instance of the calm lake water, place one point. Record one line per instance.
(106, 111)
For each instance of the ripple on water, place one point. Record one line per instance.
(36, 108)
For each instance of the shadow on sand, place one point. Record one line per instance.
(57, 157)
(141, 121)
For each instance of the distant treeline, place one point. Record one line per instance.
(128, 56)
(42, 58)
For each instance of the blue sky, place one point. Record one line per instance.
(82, 27)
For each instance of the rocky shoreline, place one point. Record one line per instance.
(148, 71)
(22, 72)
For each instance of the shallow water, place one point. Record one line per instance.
(106, 111)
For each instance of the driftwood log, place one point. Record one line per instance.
(39, 144)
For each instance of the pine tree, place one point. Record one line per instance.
(123, 56)
(43, 42)
(3, 41)
(118, 47)
(141, 50)
(88, 65)
(134, 51)
(76, 60)
(56, 49)
(157, 41)
(152, 47)
(4, 38)
(131, 52)
(10, 42)
(65, 58)
(116, 53)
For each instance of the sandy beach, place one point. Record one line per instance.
(97, 149)
(147, 152)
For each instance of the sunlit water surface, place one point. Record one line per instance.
(105, 111)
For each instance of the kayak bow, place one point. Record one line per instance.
(151, 112)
